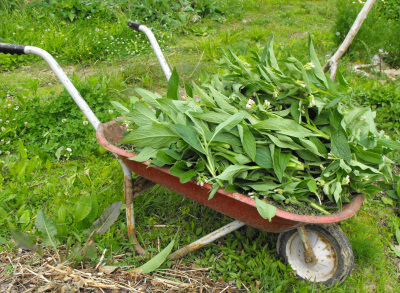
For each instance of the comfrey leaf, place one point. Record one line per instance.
(120, 108)
(232, 171)
(173, 86)
(155, 135)
(280, 162)
(146, 154)
(189, 135)
(248, 141)
(339, 140)
(149, 97)
(228, 124)
(268, 54)
(283, 125)
(317, 66)
(142, 115)
(266, 210)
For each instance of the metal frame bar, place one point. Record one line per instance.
(207, 239)
(309, 255)
(154, 45)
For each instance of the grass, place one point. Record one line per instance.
(246, 256)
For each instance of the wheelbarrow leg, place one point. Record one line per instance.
(130, 213)
(207, 239)
(309, 255)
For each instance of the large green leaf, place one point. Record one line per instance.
(154, 135)
(310, 146)
(268, 54)
(266, 210)
(317, 66)
(124, 111)
(223, 101)
(23, 240)
(164, 157)
(149, 97)
(212, 116)
(206, 99)
(280, 162)
(48, 229)
(189, 135)
(232, 171)
(82, 207)
(142, 115)
(145, 154)
(173, 86)
(157, 260)
(394, 145)
(185, 177)
(339, 140)
(284, 142)
(263, 157)
(248, 140)
(228, 124)
(282, 124)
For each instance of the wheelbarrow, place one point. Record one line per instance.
(315, 246)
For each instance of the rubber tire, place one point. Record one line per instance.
(340, 243)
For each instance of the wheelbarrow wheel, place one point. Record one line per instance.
(332, 249)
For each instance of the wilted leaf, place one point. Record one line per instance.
(107, 269)
(48, 229)
(107, 218)
(23, 240)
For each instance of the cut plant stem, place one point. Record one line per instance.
(316, 206)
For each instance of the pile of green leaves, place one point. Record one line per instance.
(283, 132)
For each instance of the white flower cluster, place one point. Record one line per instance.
(300, 83)
(312, 100)
(250, 104)
(346, 180)
(309, 66)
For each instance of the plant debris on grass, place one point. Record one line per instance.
(274, 130)
(23, 271)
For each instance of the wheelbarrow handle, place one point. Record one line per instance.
(134, 25)
(12, 49)
(154, 44)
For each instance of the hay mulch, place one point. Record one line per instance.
(25, 271)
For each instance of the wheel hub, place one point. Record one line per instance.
(320, 269)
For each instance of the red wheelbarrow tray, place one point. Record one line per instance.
(235, 205)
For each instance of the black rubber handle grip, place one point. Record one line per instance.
(12, 49)
(134, 25)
